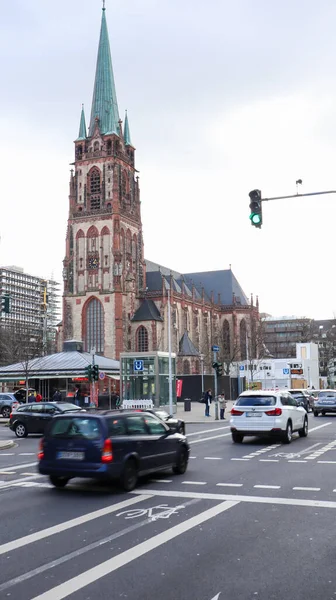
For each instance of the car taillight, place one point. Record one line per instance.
(107, 454)
(40, 454)
(236, 413)
(10, 416)
(275, 412)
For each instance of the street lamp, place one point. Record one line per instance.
(202, 371)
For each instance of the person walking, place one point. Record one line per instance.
(57, 397)
(78, 396)
(31, 397)
(38, 397)
(207, 402)
(222, 405)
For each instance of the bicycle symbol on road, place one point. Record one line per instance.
(161, 511)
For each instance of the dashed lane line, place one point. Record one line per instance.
(207, 431)
(327, 462)
(268, 460)
(213, 458)
(230, 485)
(268, 487)
(298, 461)
(207, 439)
(16, 467)
(319, 426)
(194, 482)
(242, 459)
(307, 489)
(162, 480)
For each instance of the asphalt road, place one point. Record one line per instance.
(250, 521)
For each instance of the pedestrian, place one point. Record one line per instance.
(31, 397)
(57, 397)
(207, 402)
(222, 405)
(38, 397)
(78, 396)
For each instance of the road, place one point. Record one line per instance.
(246, 521)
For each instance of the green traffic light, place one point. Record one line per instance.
(256, 219)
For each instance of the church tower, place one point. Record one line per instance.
(104, 267)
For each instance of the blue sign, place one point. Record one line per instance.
(285, 371)
(138, 365)
(215, 348)
(241, 368)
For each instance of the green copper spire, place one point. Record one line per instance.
(127, 135)
(104, 101)
(82, 126)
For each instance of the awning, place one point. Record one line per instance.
(117, 377)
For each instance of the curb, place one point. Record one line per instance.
(6, 445)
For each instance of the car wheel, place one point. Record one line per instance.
(6, 411)
(304, 431)
(59, 482)
(287, 438)
(181, 462)
(21, 430)
(237, 438)
(316, 413)
(129, 477)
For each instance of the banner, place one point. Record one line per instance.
(179, 388)
(144, 404)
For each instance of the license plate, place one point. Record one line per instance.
(254, 414)
(71, 455)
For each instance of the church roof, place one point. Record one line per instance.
(104, 101)
(186, 347)
(219, 282)
(127, 134)
(82, 127)
(147, 311)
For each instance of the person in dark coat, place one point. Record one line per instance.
(78, 398)
(57, 397)
(31, 397)
(207, 402)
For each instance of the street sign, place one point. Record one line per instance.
(285, 371)
(215, 348)
(241, 368)
(101, 375)
(297, 371)
(138, 365)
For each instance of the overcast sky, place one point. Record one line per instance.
(223, 96)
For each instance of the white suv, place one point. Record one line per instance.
(267, 413)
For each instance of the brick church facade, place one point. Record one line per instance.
(115, 300)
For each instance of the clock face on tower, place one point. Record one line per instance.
(93, 262)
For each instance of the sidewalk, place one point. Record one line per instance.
(6, 444)
(196, 415)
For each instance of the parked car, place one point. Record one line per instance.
(263, 413)
(174, 424)
(110, 446)
(6, 403)
(303, 398)
(325, 402)
(34, 417)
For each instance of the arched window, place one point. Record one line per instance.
(142, 339)
(186, 367)
(197, 367)
(94, 326)
(71, 240)
(109, 147)
(243, 339)
(95, 181)
(124, 184)
(128, 242)
(226, 339)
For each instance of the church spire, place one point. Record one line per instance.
(127, 135)
(104, 101)
(82, 126)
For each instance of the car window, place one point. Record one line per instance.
(116, 426)
(5, 397)
(162, 414)
(284, 400)
(24, 408)
(136, 425)
(49, 409)
(36, 408)
(154, 426)
(67, 406)
(324, 395)
(256, 401)
(73, 428)
(292, 401)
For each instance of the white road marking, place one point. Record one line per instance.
(162, 480)
(253, 499)
(5, 472)
(7, 454)
(28, 484)
(297, 461)
(194, 482)
(268, 460)
(207, 439)
(27, 454)
(207, 431)
(116, 562)
(9, 484)
(243, 459)
(268, 487)
(229, 484)
(307, 489)
(327, 462)
(16, 467)
(192, 457)
(213, 458)
(44, 533)
(319, 426)
(216, 597)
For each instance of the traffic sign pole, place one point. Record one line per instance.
(215, 381)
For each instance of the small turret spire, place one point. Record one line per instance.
(82, 126)
(127, 135)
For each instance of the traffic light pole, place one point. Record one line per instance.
(298, 195)
(215, 386)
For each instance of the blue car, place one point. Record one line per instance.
(110, 446)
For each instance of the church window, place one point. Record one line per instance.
(96, 146)
(95, 182)
(106, 260)
(80, 263)
(186, 367)
(108, 194)
(226, 339)
(80, 198)
(124, 183)
(142, 339)
(243, 339)
(109, 149)
(80, 185)
(94, 326)
(109, 180)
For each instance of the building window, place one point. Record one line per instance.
(226, 340)
(94, 326)
(95, 182)
(186, 367)
(243, 340)
(142, 339)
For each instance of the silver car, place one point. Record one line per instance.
(6, 402)
(325, 402)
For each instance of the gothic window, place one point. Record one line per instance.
(226, 339)
(109, 149)
(124, 184)
(94, 326)
(128, 242)
(243, 340)
(95, 182)
(80, 263)
(186, 367)
(71, 240)
(96, 147)
(197, 367)
(79, 152)
(142, 339)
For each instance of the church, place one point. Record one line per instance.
(114, 299)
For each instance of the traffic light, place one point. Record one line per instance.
(95, 374)
(88, 373)
(219, 369)
(5, 304)
(256, 208)
(215, 365)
